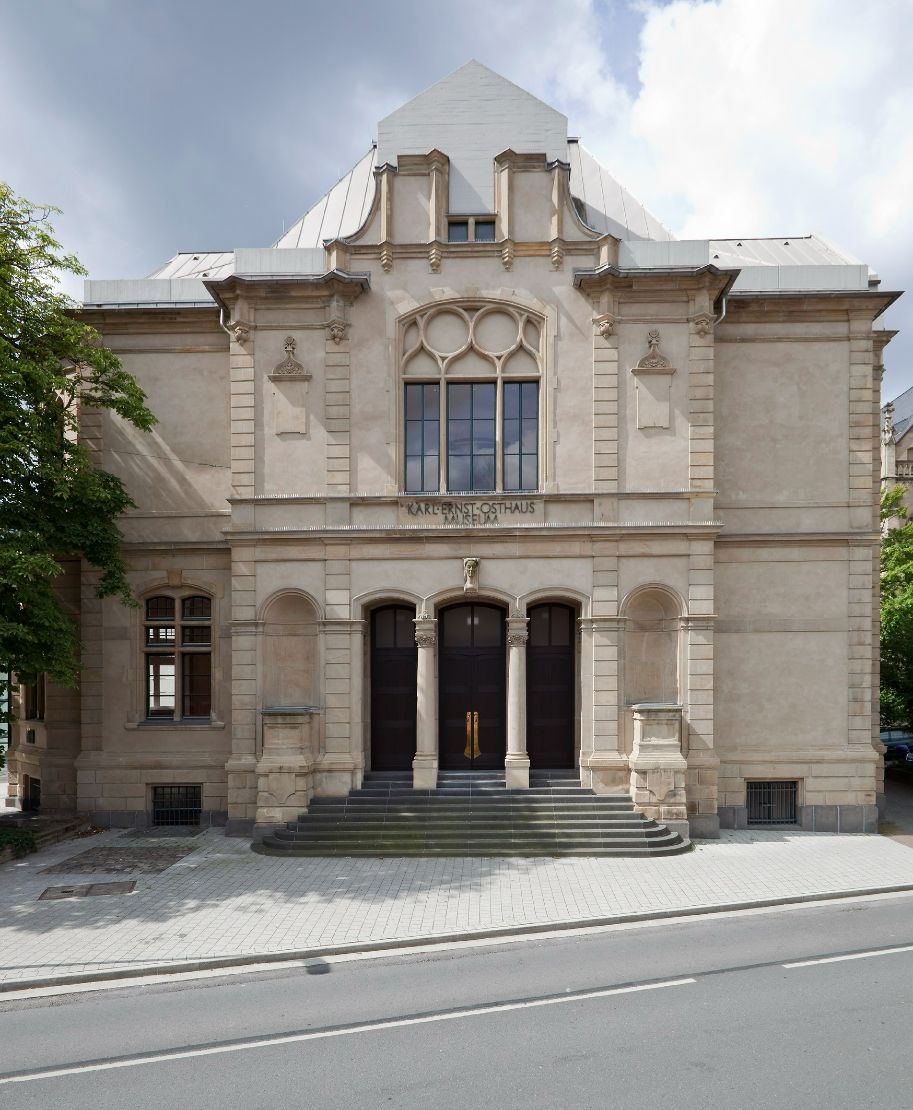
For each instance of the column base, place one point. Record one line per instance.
(516, 772)
(424, 772)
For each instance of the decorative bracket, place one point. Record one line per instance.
(240, 331)
(604, 324)
(703, 323)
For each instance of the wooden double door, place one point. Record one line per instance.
(472, 688)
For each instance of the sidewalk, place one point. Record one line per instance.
(222, 901)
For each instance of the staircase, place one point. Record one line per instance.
(472, 814)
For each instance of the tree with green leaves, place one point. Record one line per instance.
(53, 502)
(896, 613)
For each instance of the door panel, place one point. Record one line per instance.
(393, 688)
(472, 680)
(550, 687)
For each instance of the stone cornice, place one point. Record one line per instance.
(801, 304)
(317, 287)
(614, 278)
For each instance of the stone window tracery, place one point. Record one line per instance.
(471, 397)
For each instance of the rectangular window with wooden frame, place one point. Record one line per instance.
(177, 638)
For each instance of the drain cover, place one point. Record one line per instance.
(85, 890)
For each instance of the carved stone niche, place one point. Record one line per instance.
(658, 766)
(653, 378)
(290, 412)
(291, 736)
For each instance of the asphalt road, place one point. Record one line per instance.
(702, 1013)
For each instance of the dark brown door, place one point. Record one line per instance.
(472, 691)
(393, 663)
(550, 685)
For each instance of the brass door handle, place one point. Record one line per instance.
(468, 750)
(475, 735)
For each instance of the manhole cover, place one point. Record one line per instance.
(86, 890)
(113, 861)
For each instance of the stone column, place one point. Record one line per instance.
(424, 766)
(516, 765)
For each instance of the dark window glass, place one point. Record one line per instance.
(550, 626)
(394, 628)
(520, 433)
(195, 684)
(160, 635)
(196, 634)
(160, 609)
(538, 626)
(485, 231)
(384, 635)
(423, 438)
(33, 700)
(487, 626)
(471, 436)
(160, 686)
(196, 609)
(458, 231)
(457, 626)
(405, 629)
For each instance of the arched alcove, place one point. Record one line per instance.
(651, 648)
(290, 652)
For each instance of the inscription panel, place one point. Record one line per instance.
(472, 512)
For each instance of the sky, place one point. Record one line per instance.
(167, 125)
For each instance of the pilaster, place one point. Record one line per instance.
(605, 400)
(337, 627)
(243, 409)
(337, 414)
(700, 402)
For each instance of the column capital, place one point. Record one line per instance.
(425, 631)
(517, 630)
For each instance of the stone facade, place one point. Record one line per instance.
(720, 569)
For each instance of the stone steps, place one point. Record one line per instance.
(472, 815)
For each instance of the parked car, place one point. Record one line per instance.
(897, 751)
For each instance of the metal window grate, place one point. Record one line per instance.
(176, 805)
(771, 803)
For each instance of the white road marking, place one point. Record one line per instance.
(852, 956)
(324, 1034)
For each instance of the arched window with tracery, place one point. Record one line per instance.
(471, 399)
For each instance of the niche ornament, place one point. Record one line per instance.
(290, 367)
(653, 378)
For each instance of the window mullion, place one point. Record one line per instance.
(499, 436)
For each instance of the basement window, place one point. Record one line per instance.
(177, 805)
(771, 803)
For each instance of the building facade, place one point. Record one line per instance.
(476, 468)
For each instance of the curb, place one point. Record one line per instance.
(407, 943)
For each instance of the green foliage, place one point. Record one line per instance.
(53, 502)
(896, 615)
(22, 841)
(892, 502)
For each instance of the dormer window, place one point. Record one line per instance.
(471, 229)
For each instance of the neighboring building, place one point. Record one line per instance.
(897, 449)
(478, 467)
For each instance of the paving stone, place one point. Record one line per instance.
(224, 900)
